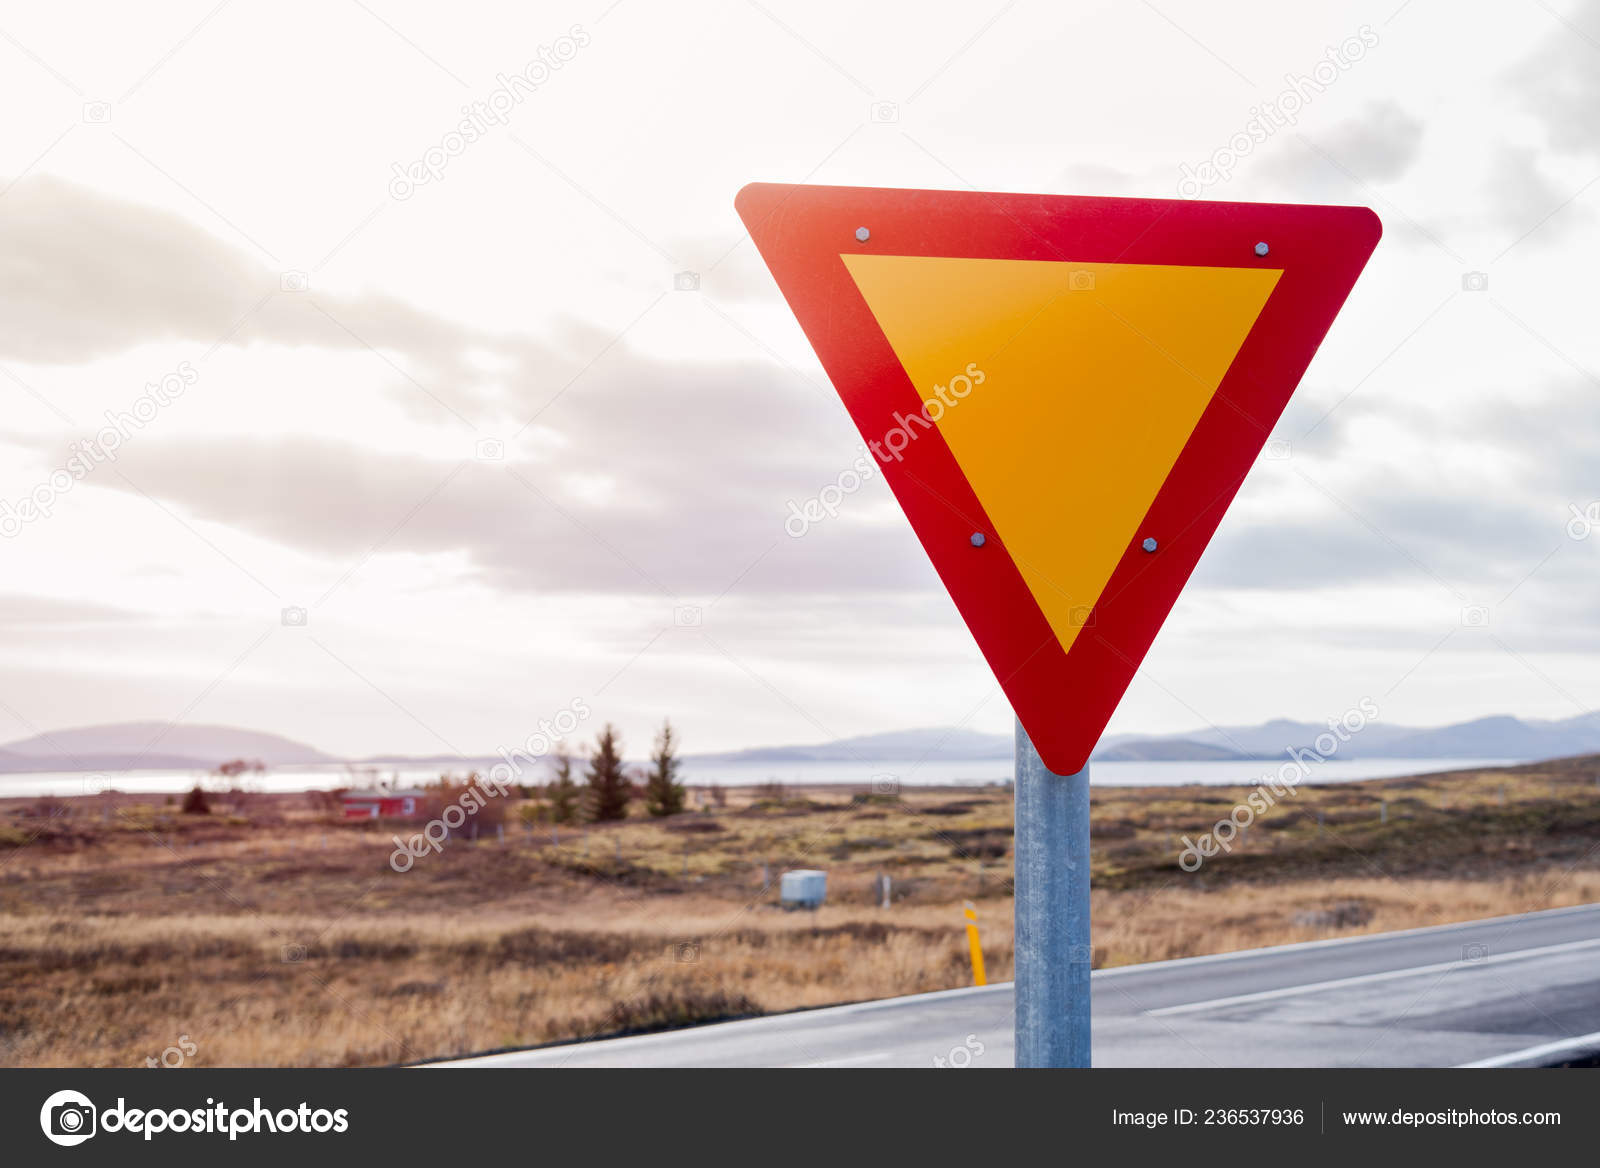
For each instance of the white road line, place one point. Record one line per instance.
(713, 1030)
(1334, 942)
(1369, 978)
(852, 1061)
(1565, 1046)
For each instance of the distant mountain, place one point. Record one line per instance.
(1166, 750)
(1501, 736)
(1504, 737)
(1272, 738)
(155, 745)
(167, 746)
(946, 744)
(424, 760)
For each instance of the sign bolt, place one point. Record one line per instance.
(862, 235)
(977, 536)
(1149, 544)
(1261, 249)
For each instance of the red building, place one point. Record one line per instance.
(381, 804)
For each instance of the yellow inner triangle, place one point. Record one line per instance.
(1093, 377)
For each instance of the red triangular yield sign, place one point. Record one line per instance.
(1063, 393)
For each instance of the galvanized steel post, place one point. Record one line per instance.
(1053, 956)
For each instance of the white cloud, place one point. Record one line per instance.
(328, 453)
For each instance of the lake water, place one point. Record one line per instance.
(910, 773)
(1101, 774)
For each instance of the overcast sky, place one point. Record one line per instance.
(468, 417)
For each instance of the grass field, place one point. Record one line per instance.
(270, 933)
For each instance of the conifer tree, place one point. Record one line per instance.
(609, 785)
(663, 794)
(563, 792)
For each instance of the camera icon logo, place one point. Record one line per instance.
(1080, 280)
(960, 1057)
(293, 617)
(1475, 616)
(1276, 450)
(1474, 954)
(885, 784)
(687, 952)
(490, 450)
(292, 954)
(68, 1118)
(294, 282)
(883, 112)
(1582, 524)
(96, 784)
(686, 282)
(97, 113)
(1474, 281)
(1082, 616)
(686, 616)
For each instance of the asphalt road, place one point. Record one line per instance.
(1508, 991)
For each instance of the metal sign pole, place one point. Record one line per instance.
(1053, 957)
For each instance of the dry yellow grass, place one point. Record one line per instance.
(112, 991)
(269, 936)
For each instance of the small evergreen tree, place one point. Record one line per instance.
(609, 785)
(563, 792)
(663, 794)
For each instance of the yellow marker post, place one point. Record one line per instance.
(978, 977)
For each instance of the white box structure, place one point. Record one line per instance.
(803, 888)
